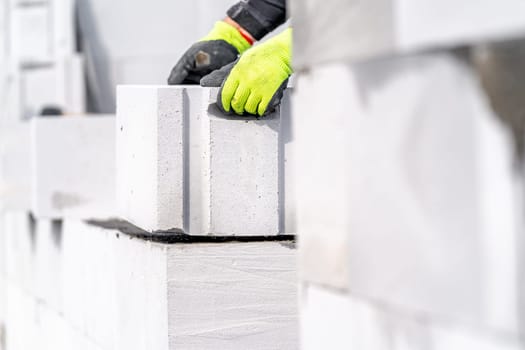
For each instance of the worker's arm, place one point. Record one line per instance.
(247, 21)
(259, 17)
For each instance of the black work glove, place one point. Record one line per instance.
(221, 46)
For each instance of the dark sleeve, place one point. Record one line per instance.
(259, 17)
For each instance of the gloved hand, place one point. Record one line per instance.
(255, 83)
(221, 46)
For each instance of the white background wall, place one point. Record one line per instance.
(138, 42)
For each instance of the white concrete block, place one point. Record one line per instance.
(243, 174)
(60, 84)
(73, 167)
(31, 34)
(408, 196)
(150, 155)
(232, 295)
(330, 319)
(197, 171)
(15, 166)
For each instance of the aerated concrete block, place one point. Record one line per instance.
(409, 195)
(74, 167)
(241, 171)
(182, 166)
(236, 295)
(150, 164)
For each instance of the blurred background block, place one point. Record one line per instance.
(60, 85)
(31, 34)
(424, 199)
(74, 167)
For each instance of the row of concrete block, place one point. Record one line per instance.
(422, 183)
(180, 166)
(120, 292)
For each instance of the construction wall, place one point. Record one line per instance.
(415, 109)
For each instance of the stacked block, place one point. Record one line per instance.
(409, 203)
(99, 288)
(73, 167)
(182, 166)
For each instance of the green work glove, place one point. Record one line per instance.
(220, 47)
(256, 82)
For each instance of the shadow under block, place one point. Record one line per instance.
(73, 167)
(421, 201)
(183, 166)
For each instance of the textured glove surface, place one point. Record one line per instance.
(255, 83)
(220, 47)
